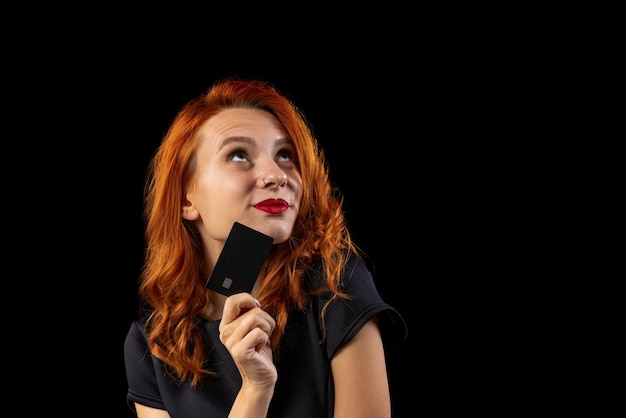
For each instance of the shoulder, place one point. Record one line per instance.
(136, 338)
(354, 270)
(361, 287)
(345, 317)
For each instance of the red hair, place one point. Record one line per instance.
(173, 279)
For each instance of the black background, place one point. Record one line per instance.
(407, 104)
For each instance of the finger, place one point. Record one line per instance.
(256, 340)
(237, 304)
(238, 329)
(258, 318)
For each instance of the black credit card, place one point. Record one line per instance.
(240, 261)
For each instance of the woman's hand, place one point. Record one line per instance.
(245, 331)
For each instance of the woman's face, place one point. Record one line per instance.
(246, 172)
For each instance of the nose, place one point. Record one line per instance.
(275, 178)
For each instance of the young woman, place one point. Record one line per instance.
(309, 339)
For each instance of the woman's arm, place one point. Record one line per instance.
(148, 412)
(360, 375)
(245, 331)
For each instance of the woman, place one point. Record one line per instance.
(308, 339)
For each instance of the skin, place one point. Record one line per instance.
(244, 158)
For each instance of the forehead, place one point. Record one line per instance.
(236, 122)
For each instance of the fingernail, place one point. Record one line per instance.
(257, 303)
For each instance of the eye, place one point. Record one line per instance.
(284, 155)
(238, 155)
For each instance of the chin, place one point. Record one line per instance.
(279, 234)
(281, 239)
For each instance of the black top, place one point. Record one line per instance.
(304, 388)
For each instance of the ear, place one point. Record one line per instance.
(189, 211)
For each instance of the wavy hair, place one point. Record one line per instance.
(172, 281)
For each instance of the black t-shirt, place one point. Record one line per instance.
(304, 388)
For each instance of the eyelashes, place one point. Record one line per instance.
(240, 155)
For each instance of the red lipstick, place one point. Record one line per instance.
(273, 206)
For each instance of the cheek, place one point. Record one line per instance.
(222, 192)
(204, 195)
(296, 183)
(298, 192)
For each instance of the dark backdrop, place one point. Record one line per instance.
(377, 117)
(372, 149)
(402, 101)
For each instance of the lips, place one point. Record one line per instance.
(272, 206)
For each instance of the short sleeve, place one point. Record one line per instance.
(140, 369)
(345, 317)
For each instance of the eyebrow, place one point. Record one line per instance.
(248, 140)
